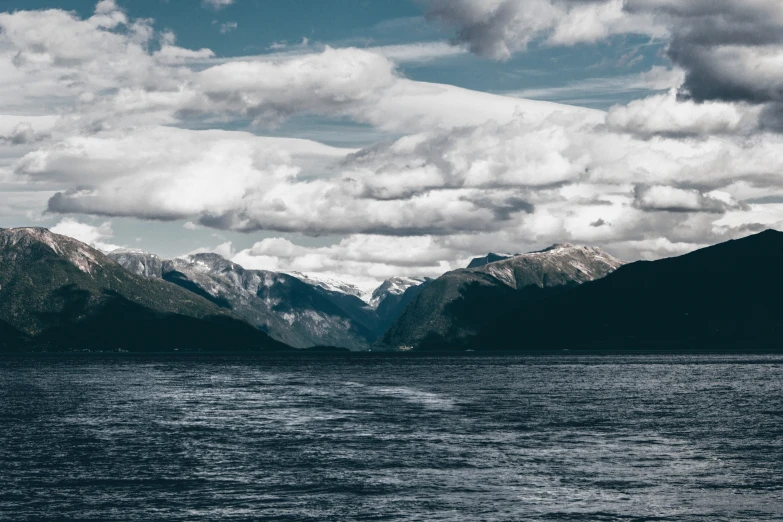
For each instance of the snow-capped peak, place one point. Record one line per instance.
(393, 286)
(330, 284)
(564, 258)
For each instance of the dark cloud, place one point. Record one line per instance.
(505, 209)
(730, 50)
(497, 29)
(752, 228)
(662, 198)
(771, 117)
(23, 134)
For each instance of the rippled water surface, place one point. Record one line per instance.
(392, 438)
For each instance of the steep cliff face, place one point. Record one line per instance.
(292, 311)
(61, 293)
(459, 303)
(139, 262)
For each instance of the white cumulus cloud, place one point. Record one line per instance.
(93, 235)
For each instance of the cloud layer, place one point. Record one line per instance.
(115, 121)
(730, 50)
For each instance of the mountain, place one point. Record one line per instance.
(489, 258)
(727, 296)
(329, 284)
(461, 303)
(57, 293)
(293, 311)
(11, 339)
(392, 296)
(139, 262)
(393, 288)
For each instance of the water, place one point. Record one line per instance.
(389, 438)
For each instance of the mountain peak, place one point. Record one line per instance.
(393, 286)
(491, 257)
(207, 261)
(59, 293)
(573, 262)
(139, 262)
(43, 235)
(330, 284)
(84, 257)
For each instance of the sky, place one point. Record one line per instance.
(365, 139)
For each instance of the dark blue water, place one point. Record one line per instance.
(372, 438)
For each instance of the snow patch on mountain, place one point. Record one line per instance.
(582, 263)
(393, 286)
(332, 285)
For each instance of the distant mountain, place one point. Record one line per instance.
(394, 287)
(727, 296)
(329, 284)
(57, 293)
(299, 313)
(489, 258)
(391, 298)
(139, 262)
(461, 303)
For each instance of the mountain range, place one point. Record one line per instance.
(59, 294)
(299, 311)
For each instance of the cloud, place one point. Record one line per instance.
(22, 134)
(672, 199)
(90, 234)
(667, 115)
(106, 72)
(456, 172)
(227, 27)
(656, 79)
(171, 54)
(80, 68)
(331, 82)
(418, 52)
(360, 259)
(499, 28)
(730, 50)
(224, 249)
(511, 184)
(216, 4)
(359, 84)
